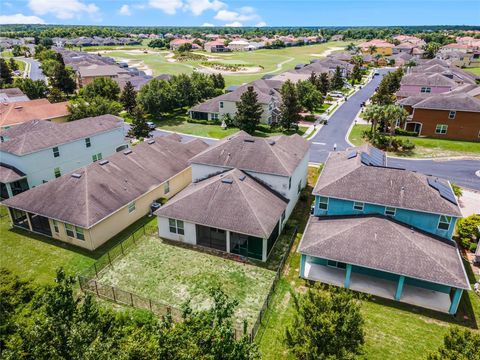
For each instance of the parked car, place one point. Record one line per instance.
(336, 94)
(376, 73)
(151, 125)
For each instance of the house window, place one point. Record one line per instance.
(57, 172)
(299, 187)
(215, 116)
(323, 203)
(390, 211)
(452, 114)
(79, 233)
(55, 226)
(56, 152)
(441, 129)
(426, 90)
(69, 229)
(221, 104)
(336, 264)
(289, 183)
(176, 226)
(166, 187)
(358, 206)
(87, 142)
(444, 222)
(96, 157)
(131, 207)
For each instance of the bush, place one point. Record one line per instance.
(203, 122)
(309, 118)
(473, 247)
(405, 132)
(467, 228)
(457, 190)
(408, 146)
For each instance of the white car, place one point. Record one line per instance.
(336, 94)
(151, 125)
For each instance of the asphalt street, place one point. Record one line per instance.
(35, 70)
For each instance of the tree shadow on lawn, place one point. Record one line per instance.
(174, 118)
(95, 254)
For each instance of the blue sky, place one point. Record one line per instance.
(242, 13)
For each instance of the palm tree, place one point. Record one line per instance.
(372, 49)
(357, 60)
(352, 48)
(373, 114)
(393, 115)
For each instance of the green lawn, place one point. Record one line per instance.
(37, 257)
(474, 70)
(272, 61)
(393, 330)
(424, 147)
(172, 274)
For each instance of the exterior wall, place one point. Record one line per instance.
(416, 89)
(39, 166)
(62, 236)
(230, 107)
(190, 236)
(421, 220)
(109, 227)
(465, 126)
(386, 51)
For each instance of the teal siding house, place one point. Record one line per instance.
(384, 231)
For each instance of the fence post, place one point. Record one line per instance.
(150, 304)
(121, 247)
(96, 272)
(80, 282)
(96, 288)
(133, 237)
(131, 298)
(143, 229)
(113, 292)
(109, 259)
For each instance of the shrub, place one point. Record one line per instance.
(457, 190)
(405, 132)
(473, 247)
(203, 122)
(309, 118)
(465, 242)
(468, 227)
(408, 146)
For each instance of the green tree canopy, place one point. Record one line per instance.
(309, 96)
(249, 111)
(81, 108)
(139, 128)
(327, 324)
(6, 76)
(458, 345)
(290, 108)
(34, 89)
(156, 97)
(104, 87)
(129, 97)
(337, 80)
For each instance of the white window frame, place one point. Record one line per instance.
(72, 230)
(55, 226)
(448, 222)
(426, 89)
(221, 104)
(452, 114)
(324, 203)
(176, 226)
(439, 129)
(97, 157)
(358, 205)
(55, 172)
(131, 207)
(79, 234)
(388, 209)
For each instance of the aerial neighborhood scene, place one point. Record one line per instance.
(206, 179)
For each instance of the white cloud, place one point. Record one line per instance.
(207, 24)
(234, 24)
(197, 7)
(261, 24)
(167, 6)
(125, 10)
(62, 9)
(243, 14)
(20, 19)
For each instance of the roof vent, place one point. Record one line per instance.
(249, 140)
(242, 177)
(76, 175)
(150, 142)
(227, 181)
(18, 107)
(352, 155)
(103, 162)
(126, 152)
(272, 142)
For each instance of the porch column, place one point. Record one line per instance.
(455, 301)
(303, 258)
(347, 276)
(228, 241)
(9, 190)
(29, 222)
(398, 293)
(264, 249)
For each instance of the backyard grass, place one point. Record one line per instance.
(392, 330)
(474, 70)
(271, 61)
(37, 257)
(172, 274)
(424, 147)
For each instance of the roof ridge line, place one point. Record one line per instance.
(274, 153)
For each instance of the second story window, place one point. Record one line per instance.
(57, 172)
(452, 114)
(131, 207)
(358, 206)
(444, 222)
(96, 157)
(426, 90)
(56, 152)
(221, 104)
(323, 203)
(87, 142)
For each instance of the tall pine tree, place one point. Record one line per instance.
(5, 73)
(290, 109)
(337, 80)
(61, 77)
(249, 111)
(139, 128)
(323, 83)
(129, 97)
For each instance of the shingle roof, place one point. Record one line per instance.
(103, 189)
(12, 92)
(232, 201)
(427, 80)
(99, 70)
(412, 100)
(279, 155)
(456, 101)
(9, 173)
(23, 111)
(350, 179)
(41, 134)
(383, 244)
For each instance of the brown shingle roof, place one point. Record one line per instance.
(9, 173)
(103, 189)
(23, 111)
(456, 101)
(350, 179)
(279, 155)
(36, 135)
(427, 80)
(384, 244)
(99, 70)
(232, 201)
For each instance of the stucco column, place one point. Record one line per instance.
(348, 273)
(228, 241)
(264, 250)
(9, 190)
(303, 259)
(455, 301)
(398, 293)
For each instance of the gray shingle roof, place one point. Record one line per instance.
(350, 179)
(427, 80)
(279, 155)
(383, 244)
(232, 201)
(103, 189)
(9, 173)
(41, 134)
(457, 102)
